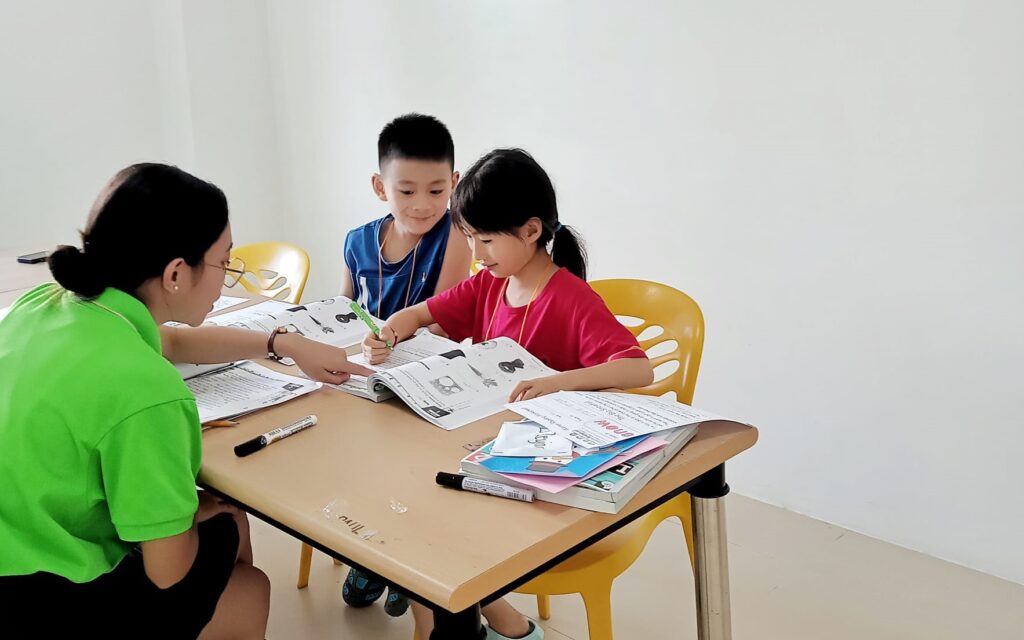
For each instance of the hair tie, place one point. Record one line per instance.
(558, 227)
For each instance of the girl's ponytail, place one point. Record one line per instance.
(568, 251)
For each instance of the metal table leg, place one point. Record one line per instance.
(712, 571)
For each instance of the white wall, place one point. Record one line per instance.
(76, 107)
(89, 88)
(227, 51)
(838, 186)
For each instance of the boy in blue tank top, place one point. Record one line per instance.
(405, 257)
(414, 252)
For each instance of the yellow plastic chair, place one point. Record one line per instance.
(305, 560)
(592, 571)
(276, 270)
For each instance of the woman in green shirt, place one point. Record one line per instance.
(100, 521)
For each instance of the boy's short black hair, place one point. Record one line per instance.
(415, 136)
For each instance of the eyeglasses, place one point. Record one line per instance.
(234, 269)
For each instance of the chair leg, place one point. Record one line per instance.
(686, 519)
(544, 606)
(598, 601)
(305, 559)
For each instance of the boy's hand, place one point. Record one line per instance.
(528, 389)
(376, 349)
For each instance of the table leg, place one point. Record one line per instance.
(712, 571)
(464, 625)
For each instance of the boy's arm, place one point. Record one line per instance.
(347, 289)
(624, 373)
(456, 261)
(348, 263)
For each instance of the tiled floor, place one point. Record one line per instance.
(793, 578)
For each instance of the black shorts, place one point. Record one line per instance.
(124, 603)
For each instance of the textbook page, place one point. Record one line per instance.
(224, 302)
(464, 384)
(421, 346)
(244, 388)
(330, 321)
(240, 317)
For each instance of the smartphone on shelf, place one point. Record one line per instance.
(33, 258)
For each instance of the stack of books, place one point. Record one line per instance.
(605, 479)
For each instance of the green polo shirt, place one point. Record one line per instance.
(99, 436)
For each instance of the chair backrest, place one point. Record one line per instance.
(680, 338)
(274, 269)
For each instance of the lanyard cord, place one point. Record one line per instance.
(526, 314)
(380, 270)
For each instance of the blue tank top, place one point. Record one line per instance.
(362, 247)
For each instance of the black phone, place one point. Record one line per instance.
(33, 258)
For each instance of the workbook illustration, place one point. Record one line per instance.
(330, 321)
(448, 384)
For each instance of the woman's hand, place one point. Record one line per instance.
(321, 362)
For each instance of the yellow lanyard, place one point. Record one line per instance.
(501, 301)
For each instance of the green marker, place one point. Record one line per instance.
(365, 317)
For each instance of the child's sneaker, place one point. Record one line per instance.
(396, 603)
(361, 589)
(536, 633)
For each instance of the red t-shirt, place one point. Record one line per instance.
(568, 326)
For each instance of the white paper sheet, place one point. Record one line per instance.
(597, 419)
(527, 439)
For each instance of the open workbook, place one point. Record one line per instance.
(226, 391)
(331, 321)
(448, 384)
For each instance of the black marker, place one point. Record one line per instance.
(250, 447)
(465, 483)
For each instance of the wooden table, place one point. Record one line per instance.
(360, 487)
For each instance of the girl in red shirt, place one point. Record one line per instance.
(505, 204)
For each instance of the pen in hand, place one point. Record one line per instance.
(365, 317)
